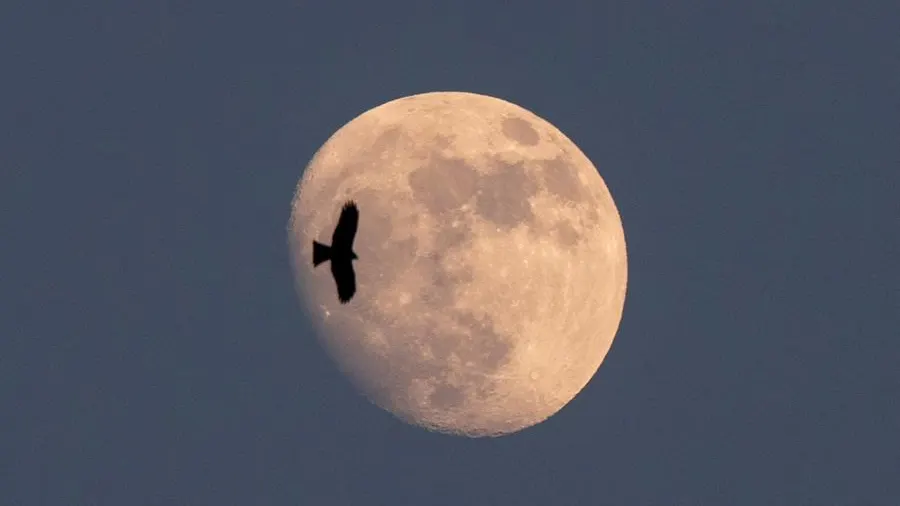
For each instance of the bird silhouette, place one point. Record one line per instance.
(341, 252)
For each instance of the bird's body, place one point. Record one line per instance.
(340, 253)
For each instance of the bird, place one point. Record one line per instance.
(341, 253)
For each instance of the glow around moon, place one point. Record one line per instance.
(492, 265)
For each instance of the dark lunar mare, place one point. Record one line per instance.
(340, 253)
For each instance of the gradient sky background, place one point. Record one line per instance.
(152, 349)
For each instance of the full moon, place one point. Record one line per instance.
(492, 266)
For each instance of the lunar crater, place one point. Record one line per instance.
(561, 179)
(443, 185)
(520, 131)
(503, 197)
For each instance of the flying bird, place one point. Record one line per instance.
(341, 252)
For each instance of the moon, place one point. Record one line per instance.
(492, 264)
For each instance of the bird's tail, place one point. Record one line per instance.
(321, 253)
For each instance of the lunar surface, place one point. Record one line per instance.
(492, 266)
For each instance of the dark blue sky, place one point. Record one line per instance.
(152, 349)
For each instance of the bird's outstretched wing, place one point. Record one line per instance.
(345, 231)
(345, 278)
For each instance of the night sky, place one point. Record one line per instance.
(153, 350)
